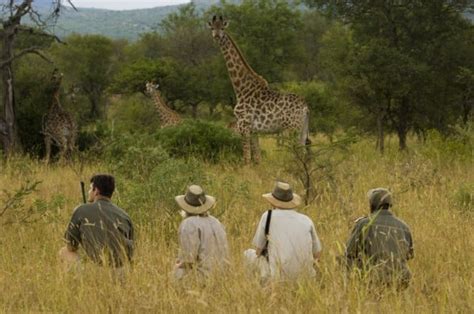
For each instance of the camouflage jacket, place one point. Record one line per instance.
(380, 241)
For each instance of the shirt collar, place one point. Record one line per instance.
(103, 199)
(383, 212)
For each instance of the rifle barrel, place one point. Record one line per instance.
(83, 192)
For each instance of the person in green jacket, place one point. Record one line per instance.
(381, 244)
(102, 229)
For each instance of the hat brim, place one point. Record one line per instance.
(210, 201)
(295, 202)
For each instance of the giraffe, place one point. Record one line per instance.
(168, 117)
(259, 109)
(59, 127)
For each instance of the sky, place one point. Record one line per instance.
(125, 4)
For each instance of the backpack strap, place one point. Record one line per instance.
(267, 231)
(267, 224)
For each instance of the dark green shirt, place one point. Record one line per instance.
(104, 230)
(382, 242)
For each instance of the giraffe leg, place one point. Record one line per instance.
(246, 148)
(255, 147)
(47, 143)
(63, 149)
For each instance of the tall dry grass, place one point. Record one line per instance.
(426, 190)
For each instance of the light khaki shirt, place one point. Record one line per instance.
(203, 243)
(292, 242)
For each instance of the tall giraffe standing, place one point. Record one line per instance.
(59, 127)
(259, 109)
(168, 117)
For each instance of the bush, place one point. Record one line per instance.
(458, 145)
(134, 155)
(151, 201)
(206, 140)
(464, 198)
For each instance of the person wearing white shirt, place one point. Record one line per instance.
(287, 245)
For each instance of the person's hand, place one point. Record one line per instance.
(178, 264)
(68, 256)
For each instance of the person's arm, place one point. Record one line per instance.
(316, 243)
(354, 244)
(259, 240)
(189, 241)
(411, 250)
(72, 236)
(130, 241)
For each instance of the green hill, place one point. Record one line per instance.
(125, 24)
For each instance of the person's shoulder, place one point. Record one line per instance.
(114, 207)
(402, 223)
(214, 219)
(362, 220)
(301, 216)
(83, 208)
(188, 222)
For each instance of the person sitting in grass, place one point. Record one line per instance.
(202, 238)
(287, 245)
(381, 244)
(104, 230)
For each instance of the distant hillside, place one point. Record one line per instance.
(127, 24)
(470, 16)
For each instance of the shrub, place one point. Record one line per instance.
(134, 156)
(464, 198)
(206, 140)
(152, 201)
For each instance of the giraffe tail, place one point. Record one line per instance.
(305, 130)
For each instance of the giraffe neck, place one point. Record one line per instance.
(55, 104)
(163, 110)
(244, 79)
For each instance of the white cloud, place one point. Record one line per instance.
(125, 4)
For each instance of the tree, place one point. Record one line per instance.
(12, 12)
(403, 60)
(88, 61)
(267, 32)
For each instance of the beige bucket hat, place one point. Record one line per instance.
(195, 201)
(379, 196)
(283, 197)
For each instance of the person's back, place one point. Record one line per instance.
(286, 242)
(381, 243)
(203, 241)
(105, 232)
(290, 245)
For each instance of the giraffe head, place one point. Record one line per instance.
(56, 77)
(151, 87)
(217, 26)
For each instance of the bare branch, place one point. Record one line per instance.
(34, 31)
(33, 50)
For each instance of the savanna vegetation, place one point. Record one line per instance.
(390, 89)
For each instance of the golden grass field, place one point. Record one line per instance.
(426, 187)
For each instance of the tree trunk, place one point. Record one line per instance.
(95, 112)
(403, 123)
(467, 106)
(194, 110)
(380, 134)
(10, 139)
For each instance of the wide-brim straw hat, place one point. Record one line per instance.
(283, 197)
(195, 201)
(379, 196)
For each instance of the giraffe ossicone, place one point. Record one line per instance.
(259, 109)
